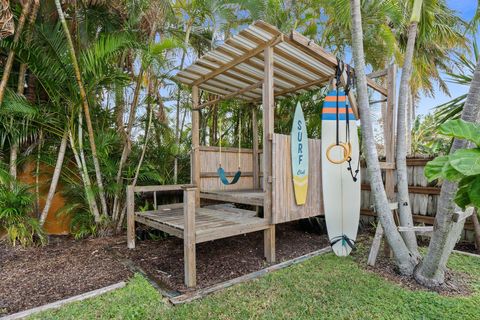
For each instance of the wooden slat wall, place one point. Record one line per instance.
(284, 208)
(209, 159)
(423, 196)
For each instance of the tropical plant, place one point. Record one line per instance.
(462, 166)
(16, 203)
(426, 139)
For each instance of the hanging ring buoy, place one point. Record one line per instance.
(346, 152)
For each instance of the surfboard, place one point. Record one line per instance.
(299, 153)
(341, 194)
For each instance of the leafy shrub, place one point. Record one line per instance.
(462, 166)
(16, 203)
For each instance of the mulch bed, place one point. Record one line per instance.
(456, 283)
(35, 276)
(220, 260)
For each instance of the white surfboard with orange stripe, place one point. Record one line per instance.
(299, 153)
(341, 194)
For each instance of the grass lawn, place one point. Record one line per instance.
(325, 287)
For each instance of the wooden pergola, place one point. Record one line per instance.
(258, 65)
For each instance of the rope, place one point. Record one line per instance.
(345, 241)
(239, 137)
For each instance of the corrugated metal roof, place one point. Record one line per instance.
(292, 67)
(299, 64)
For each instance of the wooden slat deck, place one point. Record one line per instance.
(212, 222)
(250, 196)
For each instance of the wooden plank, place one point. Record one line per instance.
(224, 149)
(189, 240)
(416, 229)
(460, 216)
(245, 57)
(168, 207)
(233, 197)
(63, 302)
(268, 125)
(255, 156)
(375, 248)
(378, 73)
(269, 243)
(231, 95)
(413, 189)
(304, 86)
(227, 174)
(195, 179)
(387, 165)
(159, 226)
(173, 187)
(416, 218)
(231, 230)
(191, 296)
(130, 217)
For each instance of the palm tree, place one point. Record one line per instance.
(86, 109)
(9, 64)
(404, 210)
(432, 270)
(7, 27)
(405, 261)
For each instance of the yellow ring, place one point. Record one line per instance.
(346, 152)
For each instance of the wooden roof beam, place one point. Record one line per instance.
(272, 42)
(231, 95)
(306, 45)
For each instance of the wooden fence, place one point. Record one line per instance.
(423, 196)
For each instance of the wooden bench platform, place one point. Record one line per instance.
(249, 196)
(211, 222)
(195, 224)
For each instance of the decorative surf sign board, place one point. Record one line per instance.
(341, 193)
(299, 153)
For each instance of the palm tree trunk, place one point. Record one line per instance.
(144, 150)
(9, 64)
(404, 210)
(127, 135)
(409, 124)
(431, 272)
(405, 262)
(177, 115)
(13, 159)
(37, 172)
(92, 204)
(88, 120)
(55, 178)
(20, 90)
(476, 229)
(7, 26)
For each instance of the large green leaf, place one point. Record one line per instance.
(466, 161)
(474, 192)
(462, 197)
(433, 169)
(450, 173)
(462, 130)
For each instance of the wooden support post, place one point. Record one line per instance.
(268, 114)
(255, 158)
(189, 236)
(269, 243)
(130, 217)
(195, 179)
(389, 138)
(268, 119)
